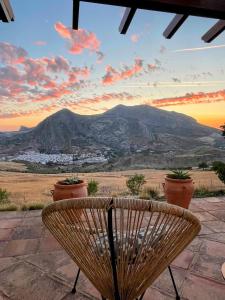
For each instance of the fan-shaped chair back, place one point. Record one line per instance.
(121, 245)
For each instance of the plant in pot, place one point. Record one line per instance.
(179, 188)
(69, 188)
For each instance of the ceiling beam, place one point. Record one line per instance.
(213, 32)
(6, 12)
(207, 8)
(126, 20)
(174, 25)
(76, 7)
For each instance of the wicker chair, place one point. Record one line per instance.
(121, 245)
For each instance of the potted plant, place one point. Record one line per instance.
(179, 188)
(69, 188)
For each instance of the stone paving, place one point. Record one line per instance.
(33, 266)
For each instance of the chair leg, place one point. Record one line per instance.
(174, 284)
(141, 297)
(75, 283)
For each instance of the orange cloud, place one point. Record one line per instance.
(11, 54)
(113, 75)
(78, 39)
(191, 98)
(35, 80)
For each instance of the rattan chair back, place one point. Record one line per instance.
(147, 236)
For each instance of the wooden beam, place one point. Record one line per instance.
(6, 12)
(207, 8)
(126, 20)
(76, 7)
(174, 25)
(213, 32)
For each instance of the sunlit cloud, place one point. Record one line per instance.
(29, 79)
(190, 98)
(199, 48)
(112, 75)
(79, 40)
(11, 54)
(176, 83)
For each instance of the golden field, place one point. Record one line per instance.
(30, 188)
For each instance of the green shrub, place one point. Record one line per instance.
(135, 182)
(32, 206)
(179, 174)
(8, 207)
(92, 187)
(149, 193)
(203, 191)
(4, 196)
(219, 168)
(217, 165)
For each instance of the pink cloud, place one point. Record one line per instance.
(113, 75)
(40, 43)
(11, 54)
(79, 40)
(38, 79)
(191, 98)
(135, 38)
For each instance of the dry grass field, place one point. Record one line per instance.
(30, 188)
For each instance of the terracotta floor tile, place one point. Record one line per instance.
(32, 221)
(205, 216)
(216, 226)
(184, 259)
(213, 248)
(49, 244)
(5, 234)
(27, 232)
(10, 223)
(12, 214)
(23, 281)
(164, 282)
(219, 214)
(218, 237)
(197, 288)
(20, 247)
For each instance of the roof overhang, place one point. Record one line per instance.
(6, 12)
(183, 9)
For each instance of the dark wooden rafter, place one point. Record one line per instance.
(213, 32)
(76, 8)
(208, 8)
(6, 12)
(126, 20)
(174, 25)
(182, 9)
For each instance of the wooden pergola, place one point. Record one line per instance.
(182, 8)
(6, 12)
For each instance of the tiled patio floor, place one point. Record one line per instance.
(33, 266)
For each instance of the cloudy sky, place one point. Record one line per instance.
(46, 66)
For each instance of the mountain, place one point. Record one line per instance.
(138, 132)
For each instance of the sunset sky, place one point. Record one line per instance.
(46, 66)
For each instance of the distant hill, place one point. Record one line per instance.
(137, 133)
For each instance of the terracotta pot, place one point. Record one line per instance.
(63, 191)
(179, 191)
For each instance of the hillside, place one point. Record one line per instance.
(137, 132)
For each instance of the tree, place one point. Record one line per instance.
(135, 182)
(203, 166)
(223, 129)
(219, 168)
